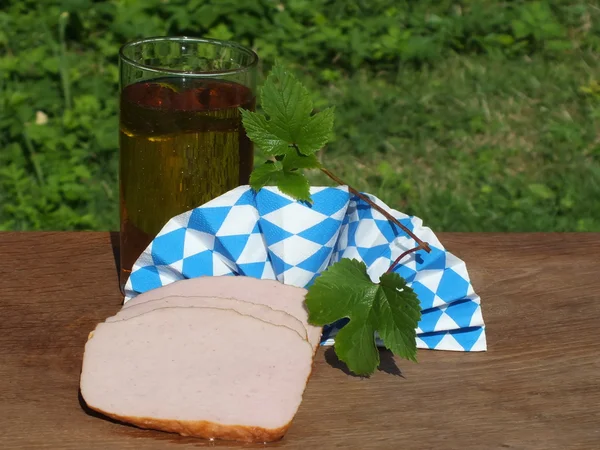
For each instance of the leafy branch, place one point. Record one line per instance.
(290, 135)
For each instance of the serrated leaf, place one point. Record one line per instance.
(288, 106)
(257, 130)
(292, 183)
(399, 313)
(295, 185)
(287, 103)
(290, 133)
(316, 132)
(264, 174)
(390, 307)
(293, 160)
(355, 345)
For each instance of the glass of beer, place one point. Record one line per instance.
(182, 142)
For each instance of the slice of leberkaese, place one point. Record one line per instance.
(271, 293)
(262, 312)
(198, 371)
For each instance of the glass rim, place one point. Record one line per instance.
(210, 73)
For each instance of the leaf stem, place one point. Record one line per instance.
(399, 258)
(422, 245)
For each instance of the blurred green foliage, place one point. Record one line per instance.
(474, 115)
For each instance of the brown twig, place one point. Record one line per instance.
(422, 245)
(399, 258)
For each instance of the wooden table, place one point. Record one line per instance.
(537, 387)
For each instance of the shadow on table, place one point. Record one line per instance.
(387, 363)
(90, 412)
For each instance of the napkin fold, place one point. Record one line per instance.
(269, 235)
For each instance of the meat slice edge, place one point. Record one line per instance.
(211, 374)
(270, 293)
(259, 311)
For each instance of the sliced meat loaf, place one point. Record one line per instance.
(262, 312)
(271, 293)
(204, 372)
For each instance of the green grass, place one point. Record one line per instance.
(474, 116)
(476, 144)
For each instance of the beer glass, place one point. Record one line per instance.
(181, 141)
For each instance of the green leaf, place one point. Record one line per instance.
(390, 307)
(264, 174)
(257, 129)
(290, 133)
(398, 309)
(290, 124)
(316, 132)
(288, 181)
(294, 160)
(355, 345)
(287, 103)
(295, 185)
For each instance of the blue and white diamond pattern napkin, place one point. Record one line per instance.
(269, 235)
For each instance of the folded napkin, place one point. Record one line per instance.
(269, 235)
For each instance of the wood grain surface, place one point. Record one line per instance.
(537, 386)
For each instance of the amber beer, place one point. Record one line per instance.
(182, 144)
